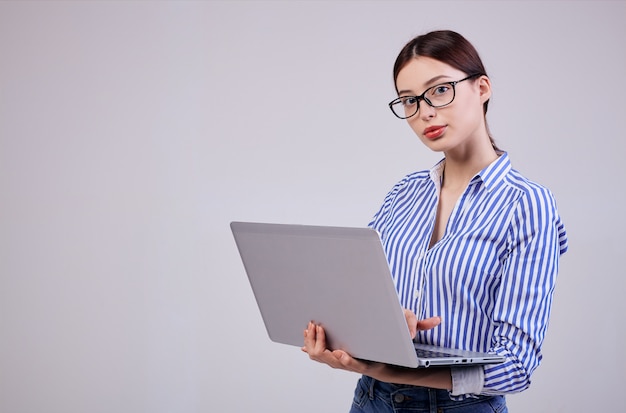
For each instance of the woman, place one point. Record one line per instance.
(473, 245)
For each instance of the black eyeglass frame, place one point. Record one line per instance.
(425, 99)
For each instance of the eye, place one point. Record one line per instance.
(408, 100)
(440, 90)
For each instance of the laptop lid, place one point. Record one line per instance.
(338, 277)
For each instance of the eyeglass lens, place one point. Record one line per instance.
(436, 96)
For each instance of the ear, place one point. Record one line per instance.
(484, 87)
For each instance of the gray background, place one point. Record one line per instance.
(132, 133)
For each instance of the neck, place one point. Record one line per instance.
(462, 164)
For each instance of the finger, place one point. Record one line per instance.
(320, 339)
(315, 347)
(411, 321)
(348, 362)
(309, 337)
(428, 323)
(315, 343)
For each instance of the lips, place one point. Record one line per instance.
(433, 132)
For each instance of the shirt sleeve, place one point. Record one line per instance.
(467, 380)
(379, 221)
(536, 239)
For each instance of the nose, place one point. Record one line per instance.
(426, 111)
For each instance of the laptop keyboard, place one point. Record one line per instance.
(424, 353)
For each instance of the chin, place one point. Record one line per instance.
(437, 145)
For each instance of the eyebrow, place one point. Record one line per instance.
(430, 82)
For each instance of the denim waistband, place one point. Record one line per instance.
(414, 397)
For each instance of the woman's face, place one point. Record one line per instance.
(458, 125)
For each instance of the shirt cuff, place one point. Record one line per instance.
(467, 380)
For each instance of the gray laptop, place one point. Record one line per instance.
(339, 278)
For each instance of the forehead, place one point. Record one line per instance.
(423, 72)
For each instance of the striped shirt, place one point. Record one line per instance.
(492, 275)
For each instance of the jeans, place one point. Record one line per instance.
(375, 396)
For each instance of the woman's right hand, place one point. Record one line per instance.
(315, 340)
(315, 347)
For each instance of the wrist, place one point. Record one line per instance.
(435, 378)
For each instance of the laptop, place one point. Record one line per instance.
(340, 278)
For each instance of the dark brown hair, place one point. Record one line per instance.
(447, 47)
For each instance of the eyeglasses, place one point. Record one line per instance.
(437, 96)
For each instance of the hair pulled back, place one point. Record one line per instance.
(447, 47)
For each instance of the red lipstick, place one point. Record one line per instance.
(433, 132)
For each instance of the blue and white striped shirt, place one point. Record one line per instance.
(492, 275)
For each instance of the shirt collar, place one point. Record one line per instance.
(491, 175)
(436, 173)
(495, 172)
